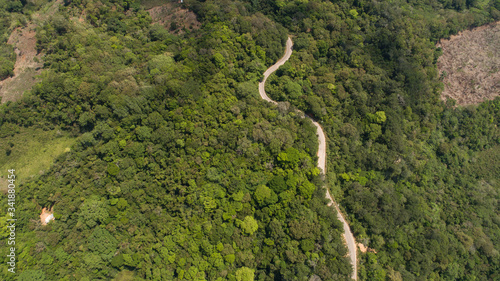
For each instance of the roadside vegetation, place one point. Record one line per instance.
(418, 176)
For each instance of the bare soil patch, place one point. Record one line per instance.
(28, 62)
(365, 249)
(25, 68)
(46, 216)
(470, 65)
(174, 18)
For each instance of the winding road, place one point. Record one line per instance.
(349, 238)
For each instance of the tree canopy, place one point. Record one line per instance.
(179, 171)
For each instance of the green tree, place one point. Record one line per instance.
(102, 243)
(93, 212)
(306, 189)
(219, 60)
(265, 196)
(32, 275)
(249, 225)
(245, 274)
(278, 184)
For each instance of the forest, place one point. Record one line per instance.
(177, 170)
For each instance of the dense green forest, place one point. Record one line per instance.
(179, 171)
(419, 178)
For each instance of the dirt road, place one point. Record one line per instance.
(351, 243)
(273, 68)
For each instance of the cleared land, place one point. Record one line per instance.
(26, 67)
(174, 18)
(31, 152)
(470, 65)
(28, 62)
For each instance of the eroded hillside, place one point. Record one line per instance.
(28, 61)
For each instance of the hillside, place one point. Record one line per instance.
(27, 61)
(160, 160)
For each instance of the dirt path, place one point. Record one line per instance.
(351, 243)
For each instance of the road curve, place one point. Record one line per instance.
(273, 68)
(349, 238)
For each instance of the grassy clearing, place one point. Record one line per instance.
(32, 153)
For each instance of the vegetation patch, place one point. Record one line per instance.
(174, 18)
(470, 65)
(31, 151)
(486, 164)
